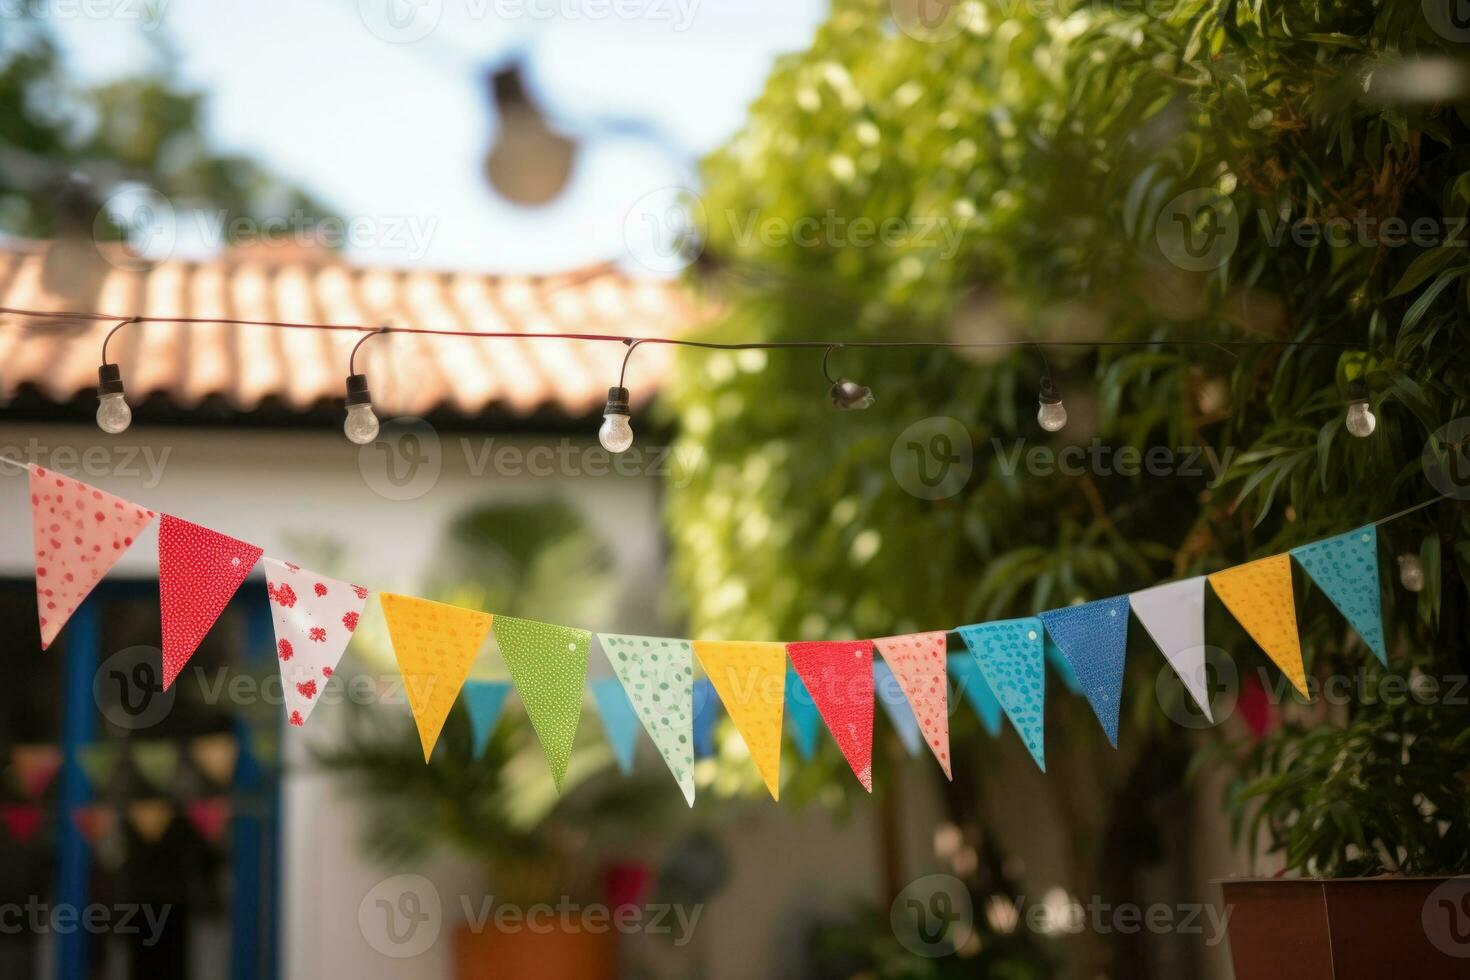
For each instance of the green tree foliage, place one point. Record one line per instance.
(1053, 143)
(65, 149)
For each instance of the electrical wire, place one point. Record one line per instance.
(633, 341)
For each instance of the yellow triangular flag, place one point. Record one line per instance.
(750, 679)
(150, 818)
(435, 645)
(1259, 595)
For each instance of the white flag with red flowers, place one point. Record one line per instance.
(314, 617)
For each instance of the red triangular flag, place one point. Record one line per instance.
(94, 822)
(21, 820)
(209, 817)
(79, 534)
(840, 679)
(199, 571)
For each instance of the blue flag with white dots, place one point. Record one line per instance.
(1093, 638)
(968, 681)
(485, 700)
(706, 713)
(896, 706)
(1346, 568)
(619, 721)
(802, 714)
(1012, 658)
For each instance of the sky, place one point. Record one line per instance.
(380, 108)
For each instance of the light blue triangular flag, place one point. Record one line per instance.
(1346, 568)
(486, 700)
(896, 706)
(802, 714)
(619, 721)
(1093, 639)
(706, 712)
(1012, 657)
(1058, 661)
(970, 683)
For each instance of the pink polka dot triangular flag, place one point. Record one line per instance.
(314, 617)
(80, 533)
(919, 664)
(199, 571)
(840, 679)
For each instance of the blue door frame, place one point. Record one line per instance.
(255, 832)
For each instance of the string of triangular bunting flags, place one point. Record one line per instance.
(80, 532)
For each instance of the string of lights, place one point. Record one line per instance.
(114, 415)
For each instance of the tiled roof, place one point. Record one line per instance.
(250, 368)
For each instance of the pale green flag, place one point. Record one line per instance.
(658, 675)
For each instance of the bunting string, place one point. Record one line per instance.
(80, 532)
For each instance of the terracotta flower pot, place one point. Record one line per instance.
(555, 954)
(1349, 928)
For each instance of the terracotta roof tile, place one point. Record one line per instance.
(248, 366)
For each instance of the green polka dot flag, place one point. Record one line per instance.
(549, 666)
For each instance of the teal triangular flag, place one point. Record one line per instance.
(802, 713)
(1062, 666)
(1093, 640)
(485, 699)
(1012, 658)
(619, 720)
(969, 682)
(896, 706)
(1346, 568)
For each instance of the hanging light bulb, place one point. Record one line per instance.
(1411, 573)
(847, 396)
(850, 396)
(1052, 415)
(361, 426)
(616, 434)
(1360, 418)
(113, 413)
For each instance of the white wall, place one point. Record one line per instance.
(267, 487)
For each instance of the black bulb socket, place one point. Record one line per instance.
(617, 402)
(357, 390)
(1049, 393)
(109, 380)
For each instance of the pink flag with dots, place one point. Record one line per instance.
(199, 571)
(919, 662)
(80, 533)
(315, 617)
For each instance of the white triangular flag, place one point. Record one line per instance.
(1174, 615)
(315, 617)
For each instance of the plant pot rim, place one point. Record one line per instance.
(1359, 880)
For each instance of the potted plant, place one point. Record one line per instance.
(571, 858)
(1371, 819)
